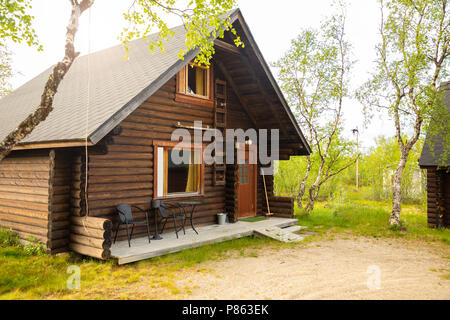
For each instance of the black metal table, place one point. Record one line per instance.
(192, 204)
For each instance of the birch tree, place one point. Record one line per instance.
(201, 18)
(413, 58)
(51, 87)
(314, 76)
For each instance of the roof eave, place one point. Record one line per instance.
(272, 80)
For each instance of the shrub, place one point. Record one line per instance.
(34, 247)
(8, 238)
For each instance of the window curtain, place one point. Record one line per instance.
(193, 175)
(200, 81)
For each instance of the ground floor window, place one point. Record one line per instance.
(178, 170)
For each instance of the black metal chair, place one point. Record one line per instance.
(171, 211)
(126, 218)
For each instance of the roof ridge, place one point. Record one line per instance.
(229, 12)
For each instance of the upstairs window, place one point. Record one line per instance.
(197, 81)
(194, 85)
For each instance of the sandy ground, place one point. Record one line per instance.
(356, 268)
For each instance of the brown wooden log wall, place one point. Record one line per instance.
(282, 207)
(24, 194)
(60, 195)
(446, 200)
(34, 196)
(438, 198)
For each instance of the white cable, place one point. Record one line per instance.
(87, 116)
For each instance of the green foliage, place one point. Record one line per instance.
(376, 170)
(201, 18)
(8, 238)
(290, 172)
(310, 76)
(34, 247)
(16, 23)
(314, 75)
(378, 166)
(413, 59)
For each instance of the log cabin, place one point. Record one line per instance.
(110, 131)
(435, 160)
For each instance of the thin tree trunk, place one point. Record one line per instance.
(394, 220)
(302, 187)
(315, 188)
(312, 199)
(314, 191)
(51, 87)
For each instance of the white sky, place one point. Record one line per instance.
(273, 25)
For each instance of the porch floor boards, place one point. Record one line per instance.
(141, 249)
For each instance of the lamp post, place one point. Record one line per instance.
(356, 132)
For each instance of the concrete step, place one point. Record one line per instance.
(293, 228)
(279, 234)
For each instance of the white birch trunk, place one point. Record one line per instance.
(51, 87)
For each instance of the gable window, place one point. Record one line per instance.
(194, 85)
(197, 81)
(178, 171)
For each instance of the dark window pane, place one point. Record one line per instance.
(197, 81)
(182, 177)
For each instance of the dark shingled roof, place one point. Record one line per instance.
(113, 82)
(117, 88)
(433, 159)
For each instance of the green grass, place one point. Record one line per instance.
(25, 276)
(187, 258)
(36, 275)
(370, 218)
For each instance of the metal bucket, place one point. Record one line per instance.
(221, 218)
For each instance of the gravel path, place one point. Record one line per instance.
(357, 268)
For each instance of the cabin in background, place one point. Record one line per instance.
(91, 155)
(438, 174)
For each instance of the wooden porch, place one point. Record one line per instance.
(141, 249)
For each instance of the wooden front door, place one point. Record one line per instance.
(247, 188)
